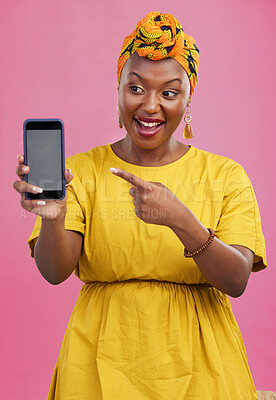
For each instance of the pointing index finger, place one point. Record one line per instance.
(127, 176)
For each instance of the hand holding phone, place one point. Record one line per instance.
(49, 209)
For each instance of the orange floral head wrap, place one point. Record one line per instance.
(159, 36)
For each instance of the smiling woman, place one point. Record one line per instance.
(160, 232)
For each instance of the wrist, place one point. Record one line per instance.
(53, 215)
(181, 217)
(56, 223)
(187, 227)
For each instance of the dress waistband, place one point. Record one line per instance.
(153, 281)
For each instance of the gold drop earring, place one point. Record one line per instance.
(120, 121)
(188, 132)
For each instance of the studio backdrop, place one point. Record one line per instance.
(58, 60)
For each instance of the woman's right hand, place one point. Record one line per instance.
(47, 209)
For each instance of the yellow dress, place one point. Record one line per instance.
(146, 324)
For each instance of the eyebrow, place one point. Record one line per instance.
(172, 80)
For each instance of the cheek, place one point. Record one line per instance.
(127, 102)
(127, 106)
(176, 110)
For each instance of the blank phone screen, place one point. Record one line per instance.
(44, 157)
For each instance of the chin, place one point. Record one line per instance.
(148, 143)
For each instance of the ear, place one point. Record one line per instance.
(189, 101)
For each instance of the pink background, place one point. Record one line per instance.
(58, 59)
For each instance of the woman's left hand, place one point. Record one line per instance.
(154, 203)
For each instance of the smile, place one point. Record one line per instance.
(148, 129)
(149, 124)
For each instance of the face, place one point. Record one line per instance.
(153, 96)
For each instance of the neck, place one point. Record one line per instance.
(165, 153)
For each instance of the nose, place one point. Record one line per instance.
(151, 103)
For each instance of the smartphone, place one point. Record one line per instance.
(44, 154)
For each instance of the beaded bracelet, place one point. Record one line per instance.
(211, 238)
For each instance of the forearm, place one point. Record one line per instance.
(53, 253)
(222, 265)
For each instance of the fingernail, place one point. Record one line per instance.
(41, 203)
(114, 170)
(69, 169)
(18, 156)
(24, 169)
(37, 189)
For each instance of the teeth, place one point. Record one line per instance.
(149, 124)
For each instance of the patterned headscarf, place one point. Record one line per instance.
(159, 36)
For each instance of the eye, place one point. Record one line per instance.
(136, 89)
(169, 93)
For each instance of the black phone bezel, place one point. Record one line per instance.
(45, 124)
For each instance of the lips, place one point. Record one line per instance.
(148, 127)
